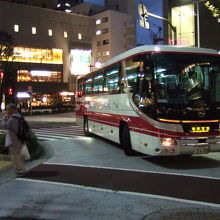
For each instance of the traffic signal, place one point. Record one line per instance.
(10, 91)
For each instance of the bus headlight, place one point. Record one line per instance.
(168, 142)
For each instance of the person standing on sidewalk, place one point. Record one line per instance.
(11, 123)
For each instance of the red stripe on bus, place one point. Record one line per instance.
(139, 125)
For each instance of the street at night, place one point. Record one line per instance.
(91, 178)
(109, 110)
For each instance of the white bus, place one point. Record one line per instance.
(157, 100)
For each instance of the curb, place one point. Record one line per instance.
(6, 168)
(185, 214)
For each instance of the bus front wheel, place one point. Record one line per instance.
(126, 141)
(86, 126)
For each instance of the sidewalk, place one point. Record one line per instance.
(5, 163)
(185, 214)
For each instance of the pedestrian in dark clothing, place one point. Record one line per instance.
(13, 143)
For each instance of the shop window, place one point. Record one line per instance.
(111, 80)
(37, 55)
(38, 76)
(98, 83)
(183, 18)
(105, 42)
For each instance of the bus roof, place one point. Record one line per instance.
(159, 48)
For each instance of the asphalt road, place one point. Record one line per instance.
(91, 178)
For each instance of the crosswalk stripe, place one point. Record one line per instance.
(57, 130)
(51, 134)
(46, 139)
(60, 136)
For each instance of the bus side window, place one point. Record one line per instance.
(98, 83)
(80, 88)
(112, 80)
(133, 75)
(88, 85)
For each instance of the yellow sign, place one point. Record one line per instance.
(200, 129)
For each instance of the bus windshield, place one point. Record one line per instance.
(179, 86)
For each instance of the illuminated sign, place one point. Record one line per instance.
(23, 95)
(40, 73)
(80, 62)
(200, 129)
(67, 93)
(37, 55)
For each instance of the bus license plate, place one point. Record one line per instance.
(201, 150)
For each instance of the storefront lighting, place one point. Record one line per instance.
(44, 99)
(40, 73)
(23, 95)
(67, 94)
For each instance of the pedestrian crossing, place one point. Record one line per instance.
(59, 133)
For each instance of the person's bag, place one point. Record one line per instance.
(23, 132)
(25, 152)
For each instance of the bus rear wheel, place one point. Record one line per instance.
(126, 141)
(86, 126)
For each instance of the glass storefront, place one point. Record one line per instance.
(183, 18)
(37, 55)
(38, 76)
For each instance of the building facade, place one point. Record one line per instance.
(195, 23)
(39, 3)
(49, 47)
(114, 33)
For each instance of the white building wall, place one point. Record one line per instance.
(121, 35)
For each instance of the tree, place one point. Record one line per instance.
(8, 78)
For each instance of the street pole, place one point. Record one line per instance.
(198, 23)
(198, 20)
(172, 27)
